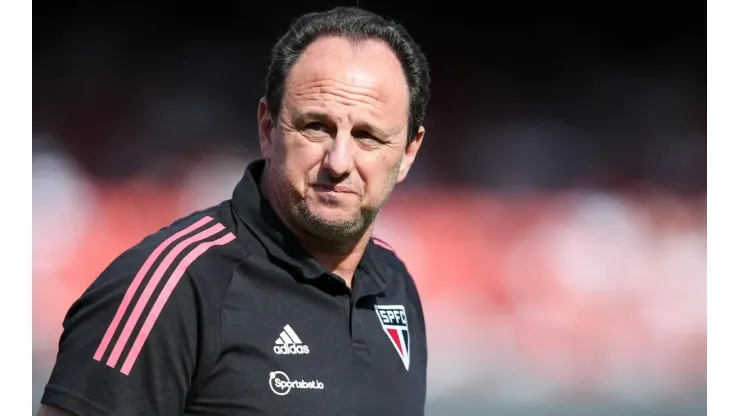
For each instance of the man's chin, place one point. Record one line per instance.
(333, 226)
(329, 214)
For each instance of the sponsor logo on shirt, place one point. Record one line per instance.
(288, 343)
(281, 384)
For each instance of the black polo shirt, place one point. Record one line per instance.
(224, 313)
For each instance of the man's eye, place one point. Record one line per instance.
(365, 136)
(315, 126)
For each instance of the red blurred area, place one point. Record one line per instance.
(589, 293)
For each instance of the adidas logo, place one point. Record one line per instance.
(289, 343)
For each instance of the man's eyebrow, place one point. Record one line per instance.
(305, 116)
(310, 115)
(374, 130)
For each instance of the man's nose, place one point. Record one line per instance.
(339, 160)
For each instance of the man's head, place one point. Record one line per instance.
(340, 124)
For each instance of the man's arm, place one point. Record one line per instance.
(131, 342)
(53, 411)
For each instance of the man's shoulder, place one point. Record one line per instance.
(202, 239)
(389, 257)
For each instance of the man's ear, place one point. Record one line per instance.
(410, 155)
(265, 124)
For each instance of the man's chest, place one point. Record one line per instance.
(306, 352)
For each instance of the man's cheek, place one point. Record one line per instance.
(375, 189)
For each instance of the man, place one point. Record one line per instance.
(278, 301)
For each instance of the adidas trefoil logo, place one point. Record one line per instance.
(289, 343)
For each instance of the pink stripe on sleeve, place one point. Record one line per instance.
(164, 296)
(151, 286)
(137, 281)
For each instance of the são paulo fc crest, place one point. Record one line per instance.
(393, 320)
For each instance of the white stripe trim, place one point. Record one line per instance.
(286, 338)
(292, 334)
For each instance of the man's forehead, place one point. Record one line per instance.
(364, 64)
(366, 72)
(338, 47)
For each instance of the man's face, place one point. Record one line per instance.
(338, 146)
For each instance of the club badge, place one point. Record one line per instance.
(393, 320)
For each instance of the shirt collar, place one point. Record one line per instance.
(257, 214)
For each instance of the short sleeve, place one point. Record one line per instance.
(129, 343)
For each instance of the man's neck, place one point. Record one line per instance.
(340, 258)
(342, 261)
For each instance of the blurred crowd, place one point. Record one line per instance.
(541, 297)
(555, 220)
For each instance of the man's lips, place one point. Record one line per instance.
(333, 187)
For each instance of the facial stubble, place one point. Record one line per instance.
(324, 228)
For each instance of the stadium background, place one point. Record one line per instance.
(554, 221)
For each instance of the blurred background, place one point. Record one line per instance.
(555, 219)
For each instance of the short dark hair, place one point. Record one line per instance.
(355, 25)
